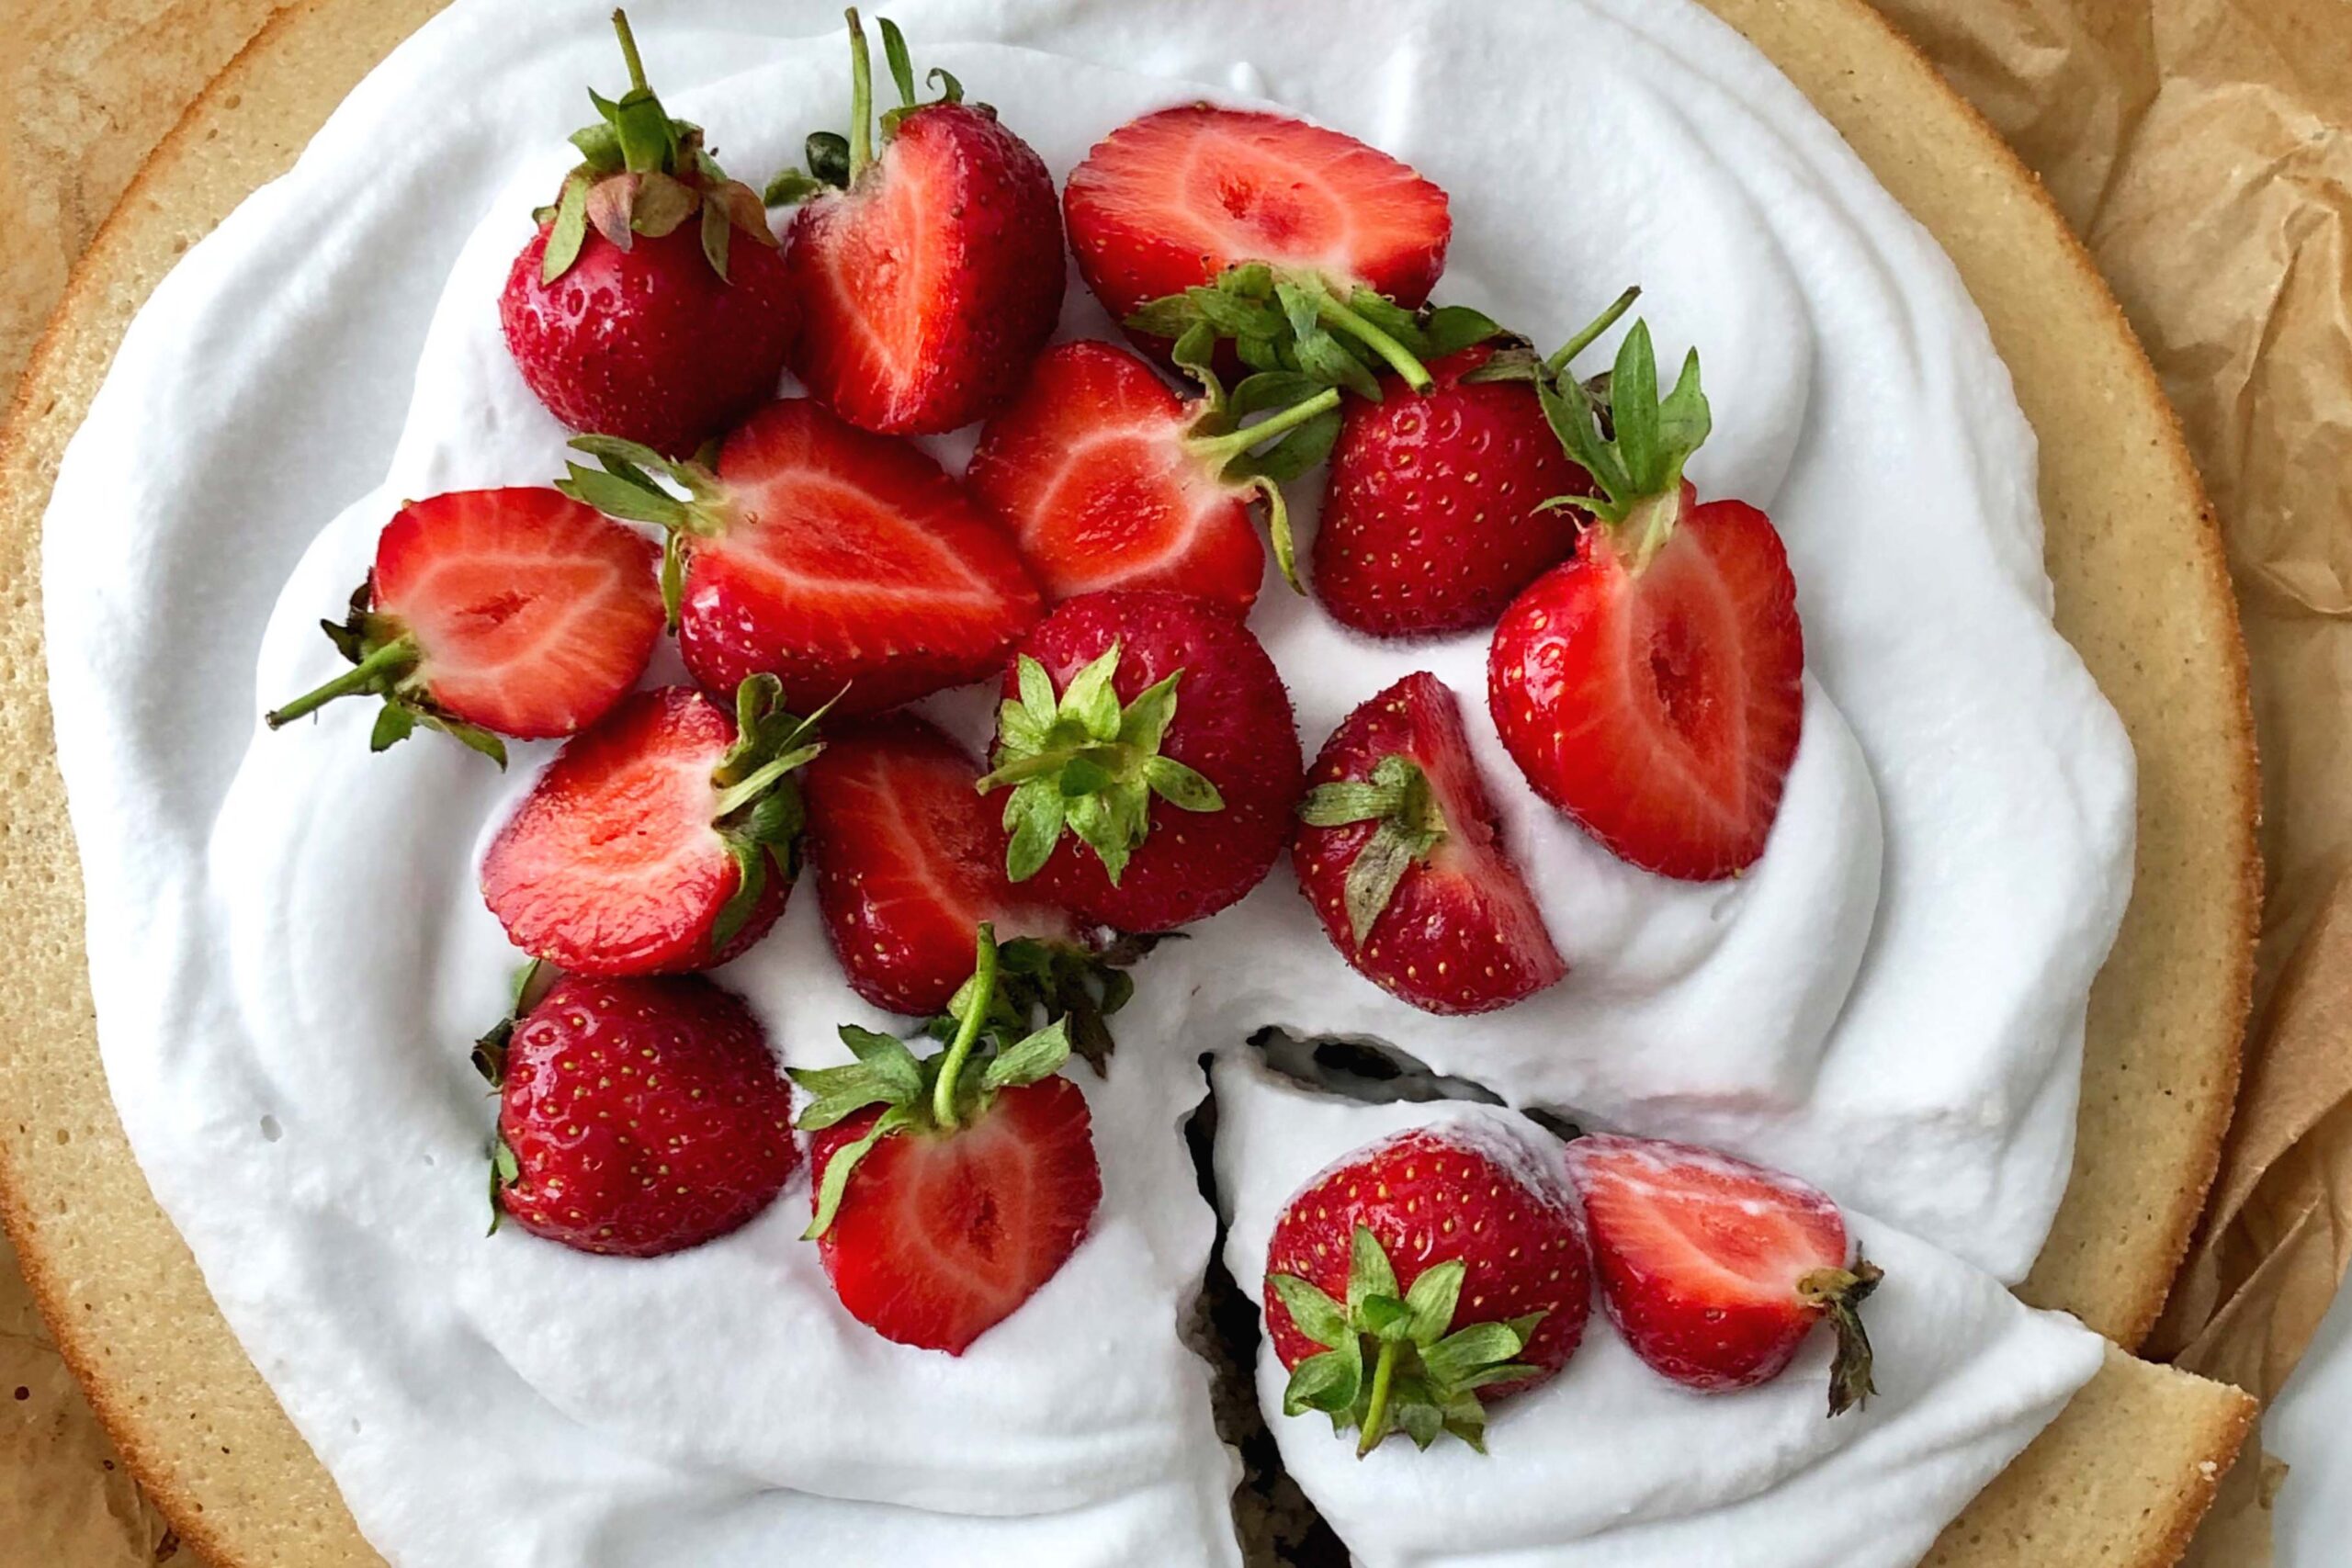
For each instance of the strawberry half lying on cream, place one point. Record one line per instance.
(1168, 202)
(494, 612)
(1715, 1269)
(637, 1117)
(1107, 480)
(949, 1190)
(1418, 1279)
(847, 565)
(661, 840)
(1652, 688)
(929, 266)
(652, 304)
(1151, 759)
(1400, 855)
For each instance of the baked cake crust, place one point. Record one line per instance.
(2141, 589)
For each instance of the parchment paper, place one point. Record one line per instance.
(2200, 147)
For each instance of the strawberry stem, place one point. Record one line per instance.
(395, 658)
(861, 99)
(1333, 313)
(1375, 1412)
(980, 998)
(1218, 450)
(1593, 329)
(629, 51)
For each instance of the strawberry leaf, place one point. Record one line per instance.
(1328, 1382)
(1411, 827)
(1838, 1294)
(1317, 1317)
(1041, 1055)
(1369, 1273)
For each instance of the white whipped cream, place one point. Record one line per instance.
(1611, 1463)
(289, 953)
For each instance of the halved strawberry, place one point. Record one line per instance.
(907, 859)
(1716, 1270)
(933, 275)
(1107, 480)
(653, 303)
(824, 555)
(1652, 688)
(949, 1190)
(1173, 199)
(661, 841)
(1151, 757)
(495, 612)
(1398, 851)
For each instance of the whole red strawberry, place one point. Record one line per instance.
(1151, 757)
(1171, 200)
(652, 304)
(637, 1117)
(907, 859)
(1106, 479)
(1398, 851)
(1715, 1269)
(1418, 1278)
(495, 612)
(849, 566)
(1652, 688)
(661, 841)
(930, 267)
(949, 1190)
(1442, 505)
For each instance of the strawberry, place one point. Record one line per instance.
(494, 612)
(1399, 852)
(930, 268)
(635, 310)
(1442, 1265)
(661, 841)
(907, 859)
(949, 1190)
(1441, 505)
(824, 555)
(635, 1117)
(1154, 728)
(1168, 202)
(1107, 480)
(1715, 1269)
(1652, 688)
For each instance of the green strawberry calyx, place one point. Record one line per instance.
(1411, 825)
(1838, 1294)
(1039, 982)
(1295, 320)
(1301, 421)
(1084, 763)
(1423, 1373)
(759, 813)
(936, 1094)
(835, 162)
(642, 173)
(386, 662)
(532, 982)
(623, 485)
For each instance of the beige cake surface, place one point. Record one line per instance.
(2142, 591)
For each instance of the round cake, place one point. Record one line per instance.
(1889, 1002)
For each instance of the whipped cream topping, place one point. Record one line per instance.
(1610, 1462)
(289, 953)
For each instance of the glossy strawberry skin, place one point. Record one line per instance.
(853, 560)
(1431, 519)
(940, 1237)
(1461, 934)
(929, 286)
(1661, 711)
(1233, 725)
(1087, 469)
(1699, 1256)
(907, 859)
(645, 1116)
(611, 864)
(1430, 1197)
(533, 614)
(650, 343)
(1173, 197)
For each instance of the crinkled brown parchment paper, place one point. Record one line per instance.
(2201, 147)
